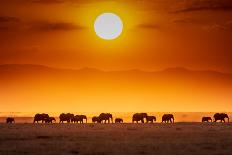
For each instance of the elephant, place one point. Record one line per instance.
(168, 118)
(104, 117)
(79, 118)
(221, 117)
(139, 117)
(66, 117)
(50, 120)
(151, 119)
(83, 117)
(96, 119)
(10, 120)
(41, 117)
(118, 120)
(206, 119)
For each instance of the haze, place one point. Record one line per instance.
(57, 39)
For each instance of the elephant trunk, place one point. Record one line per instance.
(173, 119)
(228, 119)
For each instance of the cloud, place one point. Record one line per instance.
(204, 5)
(48, 1)
(7, 19)
(219, 27)
(184, 21)
(56, 26)
(9, 23)
(148, 26)
(15, 24)
(64, 1)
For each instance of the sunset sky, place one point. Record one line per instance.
(157, 34)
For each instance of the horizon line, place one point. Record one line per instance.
(118, 70)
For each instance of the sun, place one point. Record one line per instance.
(108, 26)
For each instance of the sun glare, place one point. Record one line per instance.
(108, 26)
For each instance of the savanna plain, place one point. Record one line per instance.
(116, 139)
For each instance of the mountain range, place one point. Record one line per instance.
(171, 89)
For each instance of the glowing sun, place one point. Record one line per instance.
(108, 26)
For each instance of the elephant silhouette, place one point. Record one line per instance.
(151, 119)
(79, 118)
(206, 119)
(166, 118)
(139, 117)
(66, 117)
(50, 120)
(106, 117)
(96, 119)
(10, 120)
(83, 117)
(118, 120)
(41, 117)
(221, 117)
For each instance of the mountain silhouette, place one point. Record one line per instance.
(176, 89)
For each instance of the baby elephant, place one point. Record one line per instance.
(10, 120)
(50, 120)
(151, 119)
(206, 119)
(96, 119)
(118, 120)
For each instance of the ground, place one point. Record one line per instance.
(116, 139)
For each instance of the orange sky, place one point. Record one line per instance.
(158, 34)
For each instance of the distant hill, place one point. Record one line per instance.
(17, 69)
(171, 89)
